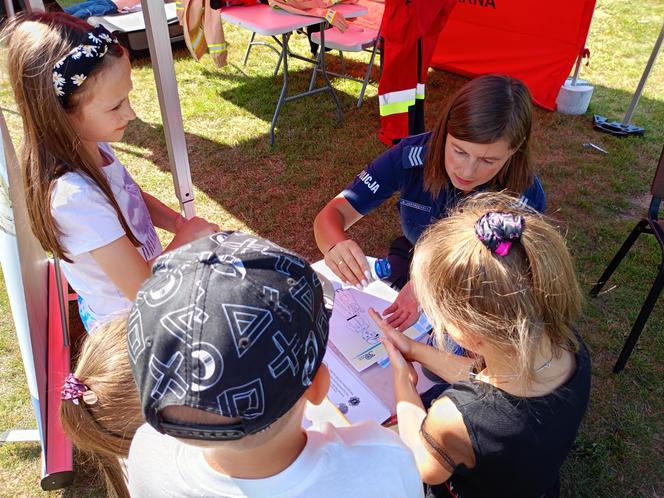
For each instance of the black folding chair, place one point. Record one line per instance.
(652, 225)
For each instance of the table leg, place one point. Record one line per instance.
(282, 96)
(323, 70)
(246, 54)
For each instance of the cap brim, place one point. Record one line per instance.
(328, 291)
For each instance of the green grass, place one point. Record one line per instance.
(243, 183)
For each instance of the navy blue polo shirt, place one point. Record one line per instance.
(401, 168)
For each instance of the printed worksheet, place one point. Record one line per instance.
(350, 395)
(352, 330)
(355, 334)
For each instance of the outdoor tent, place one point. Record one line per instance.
(469, 46)
(536, 42)
(32, 291)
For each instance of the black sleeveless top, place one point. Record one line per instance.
(519, 443)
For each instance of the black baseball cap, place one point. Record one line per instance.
(231, 324)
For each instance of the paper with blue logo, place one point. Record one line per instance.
(354, 333)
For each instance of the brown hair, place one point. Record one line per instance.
(104, 430)
(35, 43)
(511, 301)
(483, 111)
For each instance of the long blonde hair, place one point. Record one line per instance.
(511, 301)
(35, 43)
(104, 430)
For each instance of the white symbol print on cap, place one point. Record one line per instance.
(303, 294)
(285, 261)
(168, 286)
(210, 366)
(233, 267)
(135, 338)
(247, 324)
(310, 357)
(246, 401)
(322, 324)
(180, 322)
(219, 238)
(167, 376)
(287, 356)
(273, 295)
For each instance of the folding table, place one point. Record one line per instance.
(267, 21)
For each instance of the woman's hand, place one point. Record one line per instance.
(404, 311)
(347, 260)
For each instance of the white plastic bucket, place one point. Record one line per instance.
(574, 99)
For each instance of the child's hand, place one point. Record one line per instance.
(195, 228)
(402, 370)
(403, 344)
(404, 311)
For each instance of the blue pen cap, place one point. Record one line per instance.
(381, 269)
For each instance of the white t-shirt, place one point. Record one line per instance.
(364, 460)
(87, 222)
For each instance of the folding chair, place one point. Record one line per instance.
(652, 225)
(354, 39)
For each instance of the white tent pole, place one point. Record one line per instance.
(169, 101)
(644, 78)
(9, 8)
(34, 5)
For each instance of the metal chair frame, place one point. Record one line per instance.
(650, 225)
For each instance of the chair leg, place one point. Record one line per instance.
(246, 53)
(343, 62)
(647, 308)
(360, 101)
(624, 249)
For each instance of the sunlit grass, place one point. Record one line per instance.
(242, 183)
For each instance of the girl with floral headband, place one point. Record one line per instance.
(71, 83)
(499, 280)
(100, 410)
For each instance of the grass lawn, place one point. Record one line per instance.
(243, 183)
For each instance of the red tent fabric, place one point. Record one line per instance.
(537, 42)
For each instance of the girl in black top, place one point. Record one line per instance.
(499, 280)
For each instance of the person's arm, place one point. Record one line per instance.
(449, 367)
(185, 230)
(444, 416)
(162, 216)
(123, 264)
(342, 255)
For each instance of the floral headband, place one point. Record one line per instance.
(74, 390)
(72, 70)
(498, 230)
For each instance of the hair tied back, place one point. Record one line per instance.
(74, 390)
(497, 231)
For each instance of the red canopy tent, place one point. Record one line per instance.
(537, 42)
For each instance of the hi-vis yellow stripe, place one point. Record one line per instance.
(217, 48)
(396, 102)
(179, 6)
(199, 37)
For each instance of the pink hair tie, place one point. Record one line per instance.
(503, 248)
(73, 390)
(498, 230)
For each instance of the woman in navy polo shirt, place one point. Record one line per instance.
(480, 143)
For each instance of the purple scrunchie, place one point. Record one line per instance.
(73, 389)
(498, 230)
